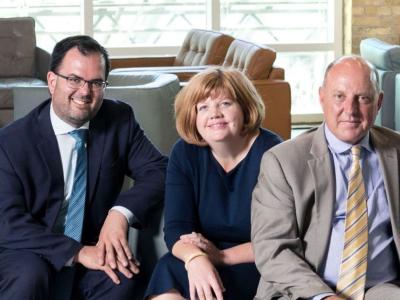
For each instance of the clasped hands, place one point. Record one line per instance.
(112, 252)
(204, 280)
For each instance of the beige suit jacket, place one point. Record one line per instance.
(293, 206)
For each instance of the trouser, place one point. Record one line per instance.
(25, 275)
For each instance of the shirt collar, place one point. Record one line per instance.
(341, 147)
(61, 127)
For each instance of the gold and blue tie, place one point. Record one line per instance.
(353, 267)
(76, 205)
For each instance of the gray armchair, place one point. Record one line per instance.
(22, 63)
(386, 59)
(150, 95)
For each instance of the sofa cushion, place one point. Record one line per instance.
(254, 60)
(382, 55)
(17, 51)
(7, 84)
(203, 47)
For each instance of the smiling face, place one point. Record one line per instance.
(219, 119)
(77, 106)
(349, 100)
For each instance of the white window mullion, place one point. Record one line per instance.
(338, 28)
(213, 15)
(87, 17)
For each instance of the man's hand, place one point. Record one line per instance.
(88, 257)
(214, 254)
(113, 245)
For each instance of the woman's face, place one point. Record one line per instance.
(219, 119)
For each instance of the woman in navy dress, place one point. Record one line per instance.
(211, 174)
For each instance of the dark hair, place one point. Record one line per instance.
(85, 44)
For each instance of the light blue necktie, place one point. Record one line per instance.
(76, 205)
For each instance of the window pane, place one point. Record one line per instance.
(124, 23)
(53, 19)
(304, 71)
(278, 21)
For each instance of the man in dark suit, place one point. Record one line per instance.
(61, 171)
(326, 209)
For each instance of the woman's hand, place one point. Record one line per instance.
(204, 280)
(214, 254)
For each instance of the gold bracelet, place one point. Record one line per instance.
(193, 256)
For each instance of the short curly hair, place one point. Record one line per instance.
(213, 82)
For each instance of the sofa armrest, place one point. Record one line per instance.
(277, 73)
(184, 73)
(277, 99)
(42, 62)
(140, 62)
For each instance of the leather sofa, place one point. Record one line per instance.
(200, 48)
(257, 62)
(22, 63)
(386, 60)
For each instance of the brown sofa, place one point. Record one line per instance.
(200, 48)
(257, 62)
(22, 63)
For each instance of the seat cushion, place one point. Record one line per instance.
(254, 60)
(7, 85)
(17, 51)
(382, 55)
(203, 47)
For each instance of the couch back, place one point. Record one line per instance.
(17, 50)
(254, 60)
(386, 60)
(150, 95)
(203, 47)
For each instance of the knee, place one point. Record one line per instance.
(33, 274)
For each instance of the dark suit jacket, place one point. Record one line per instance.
(293, 207)
(32, 184)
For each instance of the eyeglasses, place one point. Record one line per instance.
(75, 82)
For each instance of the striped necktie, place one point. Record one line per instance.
(353, 267)
(76, 205)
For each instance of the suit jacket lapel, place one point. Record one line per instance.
(97, 132)
(48, 148)
(388, 160)
(321, 167)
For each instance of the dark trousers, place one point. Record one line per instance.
(24, 275)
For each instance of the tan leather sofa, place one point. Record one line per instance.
(200, 48)
(22, 63)
(257, 62)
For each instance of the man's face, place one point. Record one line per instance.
(76, 106)
(349, 101)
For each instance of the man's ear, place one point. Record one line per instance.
(51, 81)
(380, 100)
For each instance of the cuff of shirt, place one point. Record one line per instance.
(321, 296)
(130, 217)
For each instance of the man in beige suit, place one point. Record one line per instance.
(299, 204)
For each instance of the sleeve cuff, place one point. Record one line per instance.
(130, 217)
(321, 296)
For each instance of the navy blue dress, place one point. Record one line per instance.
(202, 197)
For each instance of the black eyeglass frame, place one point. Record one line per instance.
(96, 84)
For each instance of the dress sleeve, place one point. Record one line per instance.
(181, 213)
